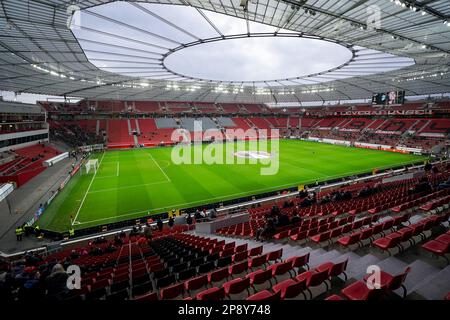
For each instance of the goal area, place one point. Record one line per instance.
(91, 166)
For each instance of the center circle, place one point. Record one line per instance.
(257, 58)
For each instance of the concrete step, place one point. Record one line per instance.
(435, 286)
(419, 271)
(357, 269)
(269, 247)
(351, 256)
(317, 259)
(290, 251)
(392, 265)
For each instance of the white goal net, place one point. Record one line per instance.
(91, 166)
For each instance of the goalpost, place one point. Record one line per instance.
(91, 166)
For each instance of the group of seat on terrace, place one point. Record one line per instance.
(23, 164)
(325, 222)
(417, 133)
(177, 265)
(173, 107)
(188, 266)
(104, 263)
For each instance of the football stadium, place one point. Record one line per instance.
(257, 150)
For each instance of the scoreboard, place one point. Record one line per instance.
(389, 98)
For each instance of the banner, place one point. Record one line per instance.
(384, 113)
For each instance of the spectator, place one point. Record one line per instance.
(267, 231)
(74, 255)
(148, 233)
(142, 241)
(275, 211)
(444, 185)
(213, 214)
(295, 217)
(31, 290)
(56, 283)
(159, 224)
(171, 222)
(118, 240)
(189, 219)
(283, 220)
(111, 248)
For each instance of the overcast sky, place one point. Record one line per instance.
(243, 59)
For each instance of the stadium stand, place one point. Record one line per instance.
(119, 134)
(178, 264)
(27, 163)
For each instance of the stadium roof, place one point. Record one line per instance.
(40, 54)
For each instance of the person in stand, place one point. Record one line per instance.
(148, 233)
(159, 224)
(37, 231)
(267, 231)
(19, 233)
(189, 219)
(198, 215)
(118, 241)
(171, 222)
(213, 214)
(295, 217)
(56, 283)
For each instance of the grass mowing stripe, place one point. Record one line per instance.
(203, 201)
(140, 187)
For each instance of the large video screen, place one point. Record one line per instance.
(389, 98)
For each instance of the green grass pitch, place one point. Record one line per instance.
(139, 182)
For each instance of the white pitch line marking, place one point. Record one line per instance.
(129, 187)
(209, 198)
(87, 191)
(168, 179)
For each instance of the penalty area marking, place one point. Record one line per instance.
(129, 187)
(164, 173)
(87, 191)
(219, 197)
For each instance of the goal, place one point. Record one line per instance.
(91, 166)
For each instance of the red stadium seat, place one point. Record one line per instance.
(290, 288)
(172, 292)
(213, 294)
(280, 269)
(218, 275)
(255, 251)
(275, 255)
(257, 261)
(260, 276)
(265, 295)
(350, 240)
(238, 268)
(334, 269)
(359, 291)
(388, 243)
(334, 297)
(236, 286)
(152, 296)
(389, 282)
(196, 283)
(299, 261)
(313, 279)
